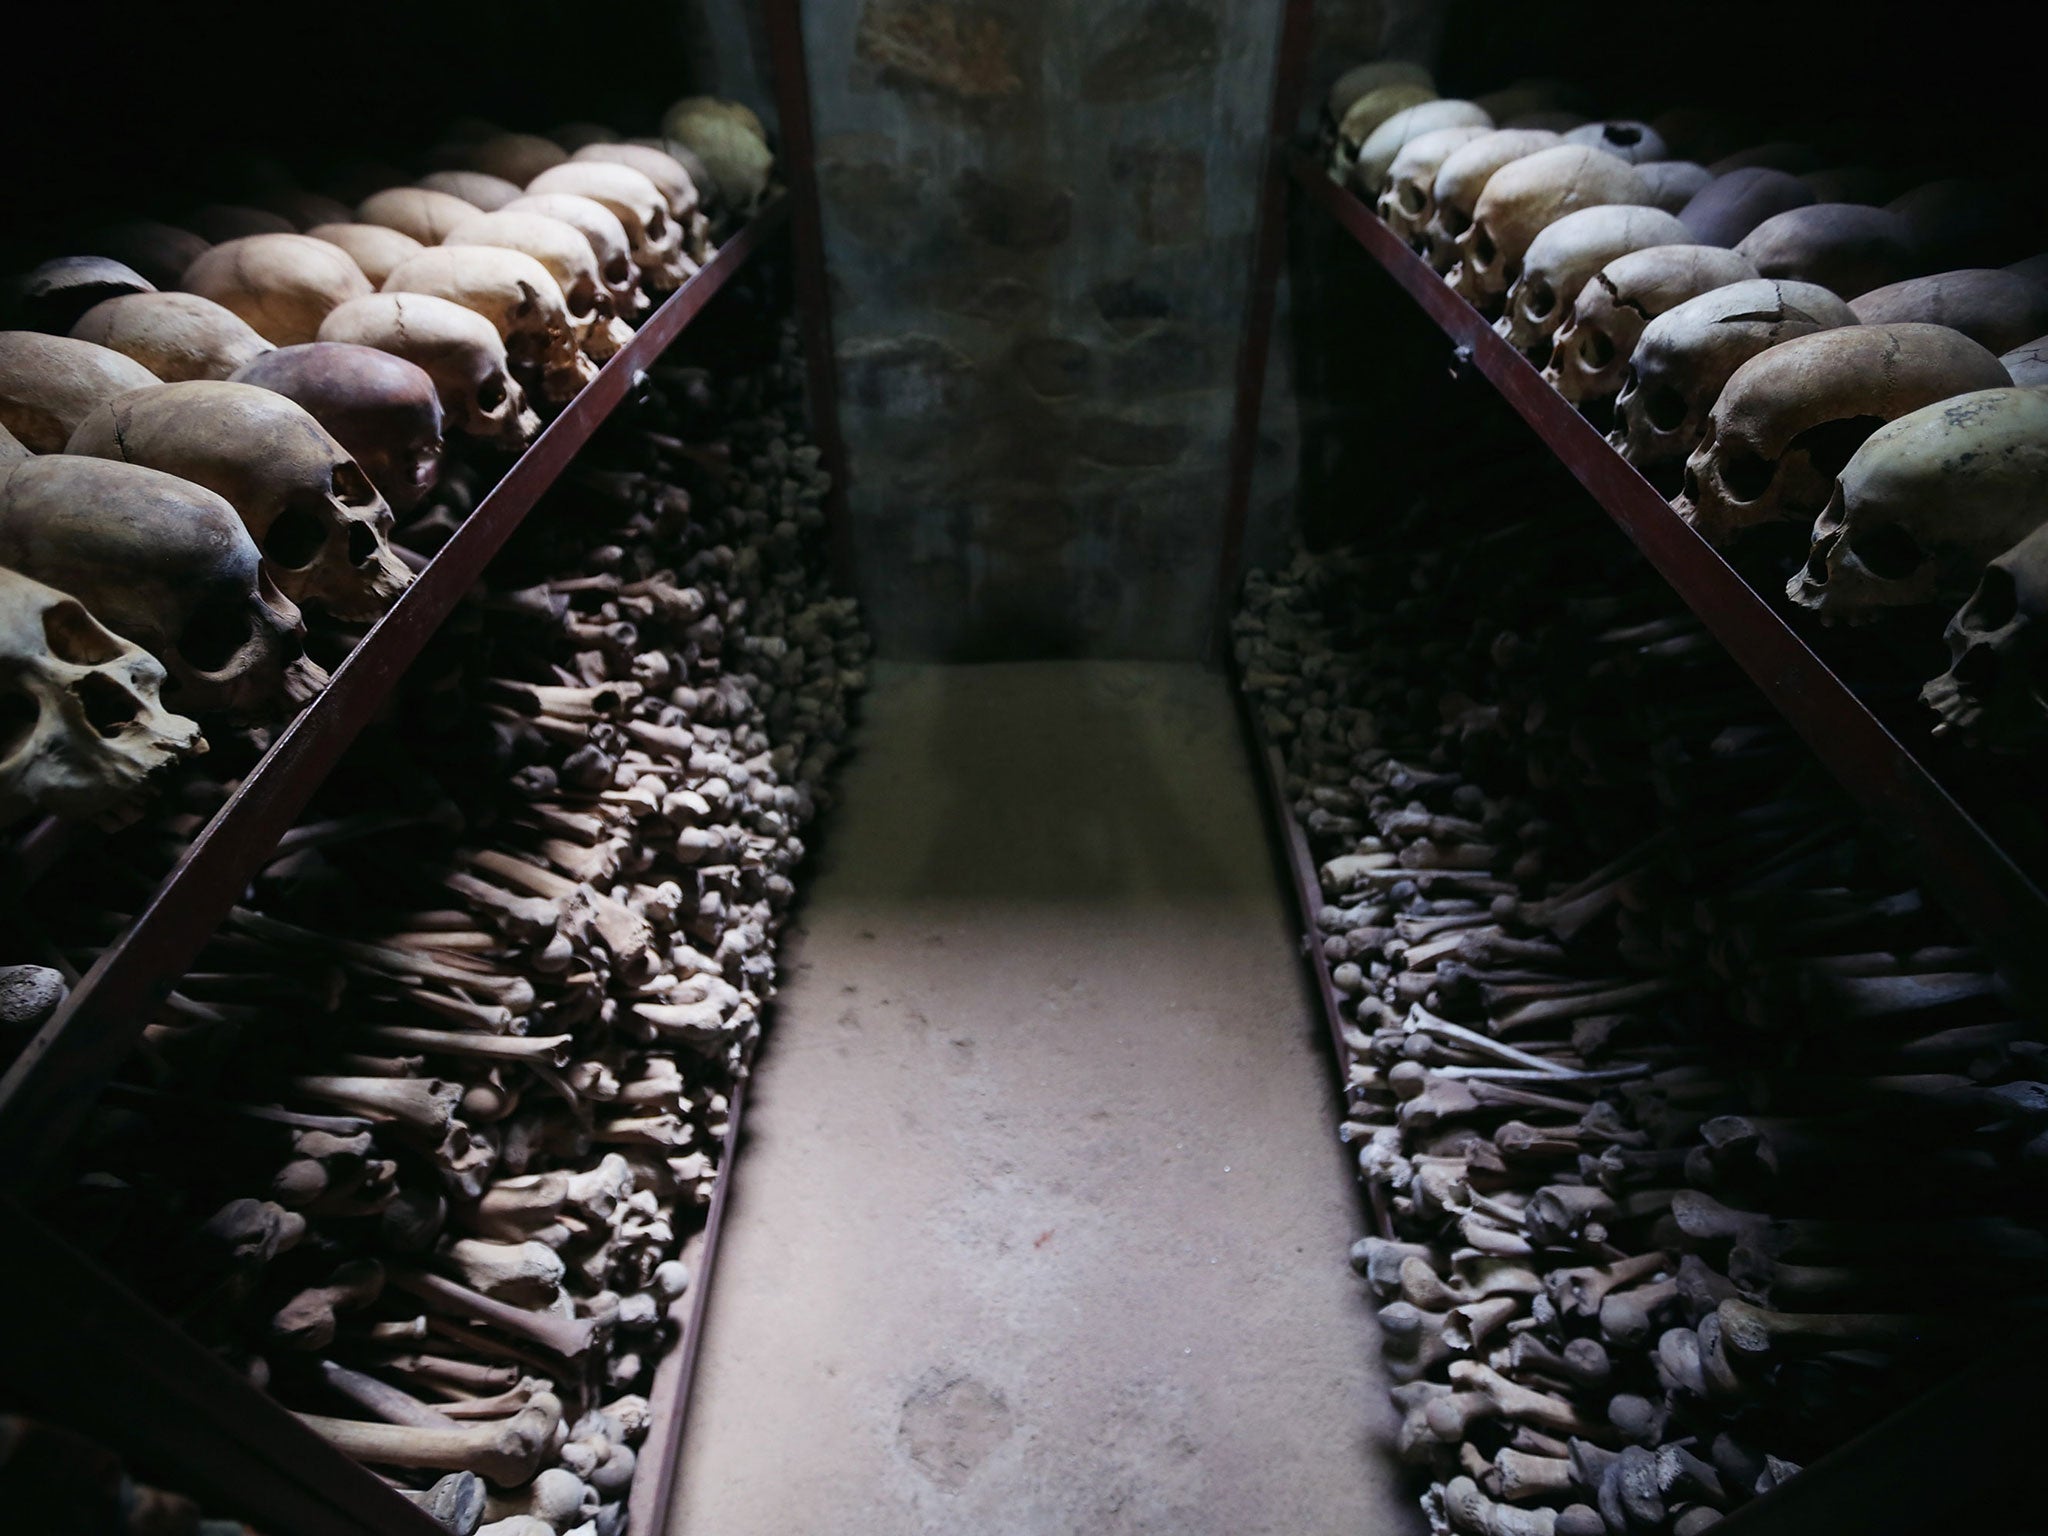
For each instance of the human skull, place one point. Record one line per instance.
(1366, 113)
(1463, 176)
(1376, 156)
(383, 410)
(608, 243)
(1926, 504)
(732, 143)
(1995, 692)
(2033, 268)
(176, 336)
(377, 250)
(1410, 197)
(1624, 138)
(1361, 79)
(567, 255)
(160, 252)
(1791, 417)
(476, 188)
(283, 285)
(49, 384)
(1674, 183)
(52, 296)
(1845, 247)
(1593, 347)
(655, 239)
(420, 212)
(461, 352)
(322, 528)
(659, 167)
(1524, 197)
(1999, 309)
(517, 295)
(2028, 364)
(82, 726)
(1728, 207)
(513, 157)
(1563, 258)
(1685, 356)
(168, 565)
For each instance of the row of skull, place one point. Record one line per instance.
(188, 466)
(1901, 434)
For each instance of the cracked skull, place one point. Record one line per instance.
(383, 410)
(1410, 198)
(282, 285)
(176, 336)
(49, 384)
(1564, 257)
(654, 238)
(1521, 200)
(562, 249)
(1593, 347)
(460, 351)
(517, 295)
(606, 236)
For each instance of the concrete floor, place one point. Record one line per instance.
(1040, 1226)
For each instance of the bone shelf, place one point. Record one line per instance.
(1963, 863)
(61, 1071)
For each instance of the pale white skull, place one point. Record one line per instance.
(377, 250)
(1844, 247)
(1791, 417)
(1674, 183)
(1622, 137)
(516, 294)
(1377, 154)
(176, 336)
(461, 352)
(1523, 198)
(2028, 364)
(658, 166)
(1728, 207)
(1410, 198)
(1592, 350)
(608, 243)
(476, 188)
(283, 285)
(323, 530)
(562, 249)
(1926, 504)
(1463, 176)
(49, 384)
(1564, 257)
(168, 565)
(421, 212)
(2002, 310)
(1687, 353)
(82, 726)
(1366, 112)
(655, 239)
(1995, 692)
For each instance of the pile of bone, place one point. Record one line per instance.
(59, 1480)
(258, 394)
(1835, 386)
(1695, 1125)
(424, 1169)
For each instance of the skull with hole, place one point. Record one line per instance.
(1926, 503)
(49, 384)
(168, 565)
(1685, 356)
(2028, 363)
(1622, 137)
(53, 295)
(517, 295)
(420, 212)
(1563, 258)
(82, 726)
(1999, 309)
(1410, 198)
(1845, 247)
(1674, 183)
(1521, 200)
(1376, 156)
(176, 336)
(319, 522)
(1463, 176)
(383, 410)
(460, 351)
(567, 255)
(1592, 350)
(476, 188)
(377, 250)
(283, 285)
(1995, 692)
(1790, 418)
(655, 239)
(1728, 207)
(606, 236)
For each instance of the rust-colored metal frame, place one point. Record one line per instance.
(60, 1073)
(1961, 862)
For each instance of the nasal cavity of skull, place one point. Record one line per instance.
(212, 637)
(1888, 552)
(18, 716)
(1482, 246)
(1830, 446)
(108, 706)
(294, 538)
(1817, 558)
(362, 545)
(74, 636)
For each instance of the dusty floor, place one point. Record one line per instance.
(1040, 1226)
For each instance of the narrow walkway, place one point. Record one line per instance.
(1039, 1229)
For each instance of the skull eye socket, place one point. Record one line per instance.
(1997, 602)
(1538, 298)
(1596, 349)
(18, 716)
(351, 486)
(1412, 198)
(618, 271)
(1455, 220)
(491, 393)
(294, 539)
(1664, 408)
(107, 705)
(1745, 475)
(213, 636)
(362, 545)
(657, 225)
(1482, 247)
(1888, 553)
(580, 300)
(74, 636)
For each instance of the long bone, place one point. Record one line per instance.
(565, 1336)
(506, 1452)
